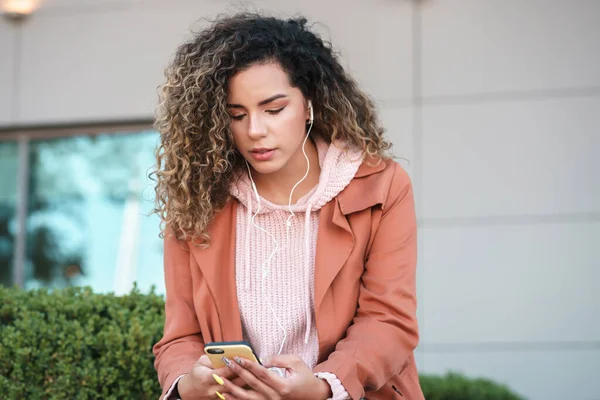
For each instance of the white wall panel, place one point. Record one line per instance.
(472, 46)
(7, 71)
(100, 66)
(515, 158)
(516, 283)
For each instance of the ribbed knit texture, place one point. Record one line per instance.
(289, 285)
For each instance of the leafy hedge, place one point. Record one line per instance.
(74, 343)
(454, 386)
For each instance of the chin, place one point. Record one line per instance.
(266, 168)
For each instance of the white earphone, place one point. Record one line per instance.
(311, 121)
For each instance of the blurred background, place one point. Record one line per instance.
(493, 105)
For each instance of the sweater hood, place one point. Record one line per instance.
(338, 168)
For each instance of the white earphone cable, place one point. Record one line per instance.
(307, 169)
(266, 267)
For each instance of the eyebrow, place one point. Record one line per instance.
(262, 103)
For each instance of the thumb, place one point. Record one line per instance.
(284, 361)
(204, 361)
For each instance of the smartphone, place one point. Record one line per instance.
(217, 350)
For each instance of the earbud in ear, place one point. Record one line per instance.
(312, 115)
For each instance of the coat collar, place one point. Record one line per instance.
(365, 190)
(369, 167)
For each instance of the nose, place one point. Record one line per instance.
(257, 128)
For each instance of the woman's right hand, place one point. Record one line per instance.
(199, 383)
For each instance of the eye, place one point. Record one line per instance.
(275, 112)
(238, 117)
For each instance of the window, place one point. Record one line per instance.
(89, 220)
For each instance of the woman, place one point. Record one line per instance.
(286, 224)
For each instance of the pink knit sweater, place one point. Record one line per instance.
(276, 288)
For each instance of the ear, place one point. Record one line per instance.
(309, 112)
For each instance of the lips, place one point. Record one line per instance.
(261, 150)
(262, 154)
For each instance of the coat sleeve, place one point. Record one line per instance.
(181, 344)
(381, 340)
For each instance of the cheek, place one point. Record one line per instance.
(238, 134)
(293, 127)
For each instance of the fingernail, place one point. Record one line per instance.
(238, 360)
(226, 361)
(220, 395)
(218, 379)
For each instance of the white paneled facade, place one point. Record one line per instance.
(494, 107)
(533, 157)
(508, 133)
(475, 47)
(8, 45)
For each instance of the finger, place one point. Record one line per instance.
(273, 380)
(239, 367)
(224, 372)
(204, 373)
(204, 361)
(232, 391)
(269, 378)
(220, 395)
(229, 396)
(239, 382)
(220, 375)
(262, 373)
(222, 391)
(253, 396)
(212, 379)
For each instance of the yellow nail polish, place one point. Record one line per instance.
(220, 396)
(218, 379)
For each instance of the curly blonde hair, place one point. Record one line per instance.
(196, 156)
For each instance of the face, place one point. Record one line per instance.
(268, 119)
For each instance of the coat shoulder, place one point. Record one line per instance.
(375, 183)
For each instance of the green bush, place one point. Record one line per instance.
(454, 386)
(76, 344)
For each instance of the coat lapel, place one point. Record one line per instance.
(335, 239)
(334, 245)
(217, 264)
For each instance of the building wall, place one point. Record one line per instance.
(496, 107)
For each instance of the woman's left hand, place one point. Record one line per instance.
(299, 384)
